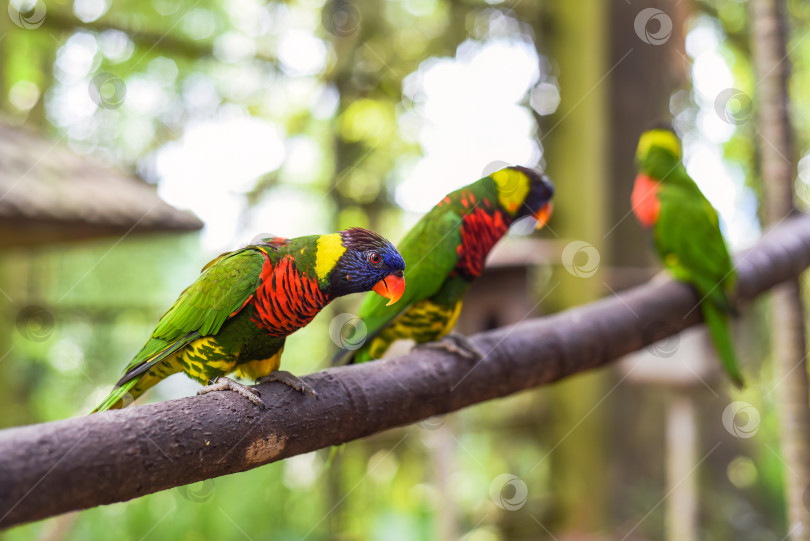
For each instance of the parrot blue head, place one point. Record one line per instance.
(369, 263)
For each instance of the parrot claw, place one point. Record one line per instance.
(288, 379)
(458, 345)
(227, 384)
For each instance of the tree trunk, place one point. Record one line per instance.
(778, 164)
(575, 142)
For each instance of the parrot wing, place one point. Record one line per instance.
(222, 290)
(691, 245)
(691, 242)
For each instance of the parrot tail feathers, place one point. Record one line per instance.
(716, 318)
(142, 377)
(120, 397)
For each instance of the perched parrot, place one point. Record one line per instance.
(245, 303)
(445, 251)
(686, 233)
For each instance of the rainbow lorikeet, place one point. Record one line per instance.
(686, 232)
(445, 251)
(245, 303)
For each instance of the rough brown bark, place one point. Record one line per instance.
(772, 67)
(53, 468)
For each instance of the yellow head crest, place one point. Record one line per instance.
(662, 138)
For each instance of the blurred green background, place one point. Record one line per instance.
(301, 117)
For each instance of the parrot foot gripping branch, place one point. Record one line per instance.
(457, 344)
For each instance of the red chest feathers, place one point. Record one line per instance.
(286, 300)
(480, 231)
(646, 205)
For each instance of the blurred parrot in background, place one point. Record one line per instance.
(445, 251)
(245, 303)
(686, 231)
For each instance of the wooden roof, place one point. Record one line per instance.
(49, 194)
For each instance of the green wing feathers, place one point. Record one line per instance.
(430, 253)
(222, 289)
(691, 245)
(689, 229)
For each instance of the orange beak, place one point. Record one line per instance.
(391, 287)
(543, 215)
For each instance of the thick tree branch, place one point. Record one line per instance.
(56, 467)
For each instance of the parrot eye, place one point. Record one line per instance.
(374, 258)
